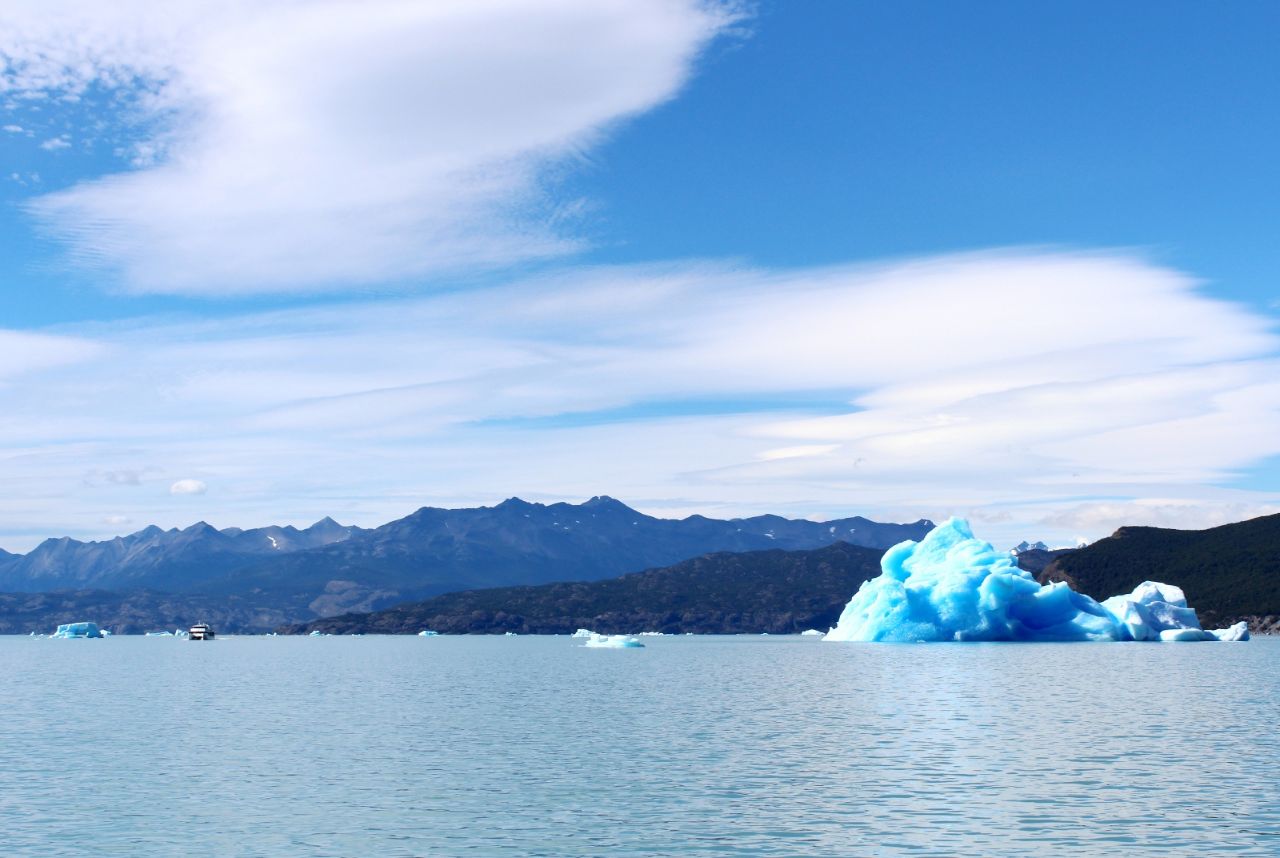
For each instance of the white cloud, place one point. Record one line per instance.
(55, 143)
(14, 129)
(23, 352)
(296, 145)
(1105, 517)
(1015, 387)
(799, 452)
(188, 487)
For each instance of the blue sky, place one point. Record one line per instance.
(268, 262)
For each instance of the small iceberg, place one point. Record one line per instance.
(78, 631)
(582, 633)
(1231, 634)
(596, 641)
(428, 633)
(811, 633)
(509, 634)
(157, 634)
(951, 586)
(316, 633)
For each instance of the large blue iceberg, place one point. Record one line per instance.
(78, 630)
(951, 586)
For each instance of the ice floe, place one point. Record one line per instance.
(582, 633)
(951, 586)
(612, 642)
(811, 633)
(1237, 632)
(428, 633)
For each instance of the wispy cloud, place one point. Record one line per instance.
(23, 352)
(293, 145)
(1043, 391)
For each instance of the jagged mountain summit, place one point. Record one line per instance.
(328, 568)
(153, 558)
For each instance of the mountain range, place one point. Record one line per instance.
(1228, 573)
(329, 568)
(495, 567)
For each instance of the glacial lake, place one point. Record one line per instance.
(692, 746)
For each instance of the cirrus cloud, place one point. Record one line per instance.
(1045, 392)
(289, 145)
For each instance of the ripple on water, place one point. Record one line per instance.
(701, 746)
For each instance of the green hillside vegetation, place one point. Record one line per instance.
(1228, 573)
(776, 591)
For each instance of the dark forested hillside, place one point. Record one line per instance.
(759, 591)
(1228, 573)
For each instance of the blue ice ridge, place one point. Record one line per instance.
(951, 586)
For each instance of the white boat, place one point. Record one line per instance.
(202, 632)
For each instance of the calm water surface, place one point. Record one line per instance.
(692, 746)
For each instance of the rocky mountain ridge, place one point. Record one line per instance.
(327, 568)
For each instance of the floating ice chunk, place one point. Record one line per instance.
(810, 633)
(78, 630)
(612, 642)
(428, 633)
(1153, 609)
(582, 633)
(316, 633)
(1238, 632)
(158, 634)
(1186, 635)
(953, 587)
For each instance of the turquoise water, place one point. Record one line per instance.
(691, 746)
